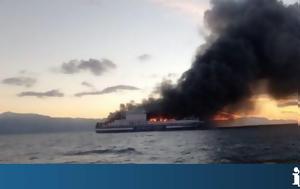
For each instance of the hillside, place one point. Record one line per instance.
(34, 123)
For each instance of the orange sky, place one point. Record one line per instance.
(99, 107)
(268, 107)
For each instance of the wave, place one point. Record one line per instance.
(104, 151)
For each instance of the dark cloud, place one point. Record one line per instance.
(251, 41)
(51, 93)
(96, 67)
(19, 81)
(107, 90)
(144, 57)
(89, 85)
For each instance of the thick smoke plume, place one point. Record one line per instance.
(251, 41)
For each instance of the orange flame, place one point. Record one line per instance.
(159, 119)
(224, 116)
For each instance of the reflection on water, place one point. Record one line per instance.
(276, 144)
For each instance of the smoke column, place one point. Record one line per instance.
(250, 41)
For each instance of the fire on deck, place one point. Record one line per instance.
(136, 121)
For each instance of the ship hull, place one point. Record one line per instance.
(148, 128)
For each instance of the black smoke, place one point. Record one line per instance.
(250, 41)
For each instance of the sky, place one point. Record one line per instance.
(82, 58)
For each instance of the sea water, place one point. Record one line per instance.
(247, 145)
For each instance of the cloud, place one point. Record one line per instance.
(189, 8)
(51, 93)
(108, 90)
(19, 81)
(89, 85)
(287, 103)
(144, 57)
(96, 67)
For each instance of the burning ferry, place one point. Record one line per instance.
(137, 121)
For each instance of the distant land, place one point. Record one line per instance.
(252, 121)
(17, 123)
